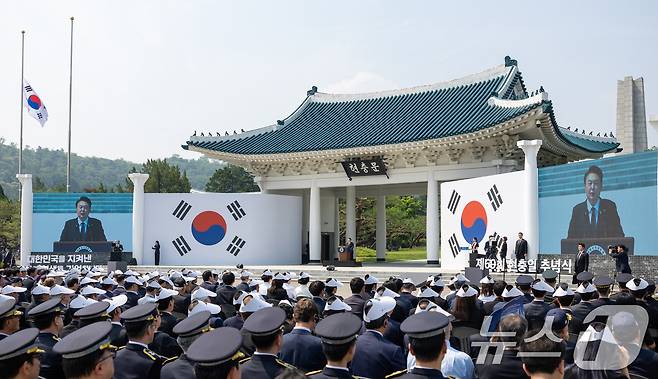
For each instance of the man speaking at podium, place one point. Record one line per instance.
(595, 217)
(83, 227)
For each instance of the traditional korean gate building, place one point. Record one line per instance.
(483, 124)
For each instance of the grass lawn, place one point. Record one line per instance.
(364, 254)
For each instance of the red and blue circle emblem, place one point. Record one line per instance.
(208, 228)
(474, 221)
(34, 102)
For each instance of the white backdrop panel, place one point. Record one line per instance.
(223, 229)
(479, 207)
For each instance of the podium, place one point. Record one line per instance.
(82, 247)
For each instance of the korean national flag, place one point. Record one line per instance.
(33, 103)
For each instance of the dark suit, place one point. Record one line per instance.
(608, 224)
(137, 362)
(645, 364)
(329, 373)
(51, 362)
(181, 368)
(420, 373)
(521, 249)
(302, 350)
(579, 312)
(224, 295)
(167, 323)
(376, 357)
(581, 265)
(357, 302)
(165, 345)
(621, 262)
(320, 303)
(262, 367)
(71, 231)
(118, 335)
(510, 367)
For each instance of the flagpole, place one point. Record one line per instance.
(20, 151)
(68, 157)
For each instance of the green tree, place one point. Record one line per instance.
(231, 179)
(164, 178)
(2, 194)
(10, 223)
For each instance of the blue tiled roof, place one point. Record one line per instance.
(326, 122)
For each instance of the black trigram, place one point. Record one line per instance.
(28, 88)
(236, 245)
(454, 201)
(181, 210)
(236, 210)
(494, 197)
(454, 245)
(181, 246)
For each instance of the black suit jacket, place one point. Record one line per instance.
(71, 231)
(521, 249)
(621, 262)
(608, 224)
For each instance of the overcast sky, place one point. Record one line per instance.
(148, 73)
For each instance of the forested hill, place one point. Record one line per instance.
(49, 166)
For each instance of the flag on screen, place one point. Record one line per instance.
(34, 104)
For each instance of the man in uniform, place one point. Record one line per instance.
(264, 328)
(535, 311)
(218, 361)
(602, 284)
(165, 307)
(523, 282)
(136, 361)
(550, 277)
(582, 309)
(132, 288)
(87, 353)
(427, 343)
(10, 318)
(48, 317)
(118, 334)
(188, 331)
(20, 355)
(338, 333)
(374, 356)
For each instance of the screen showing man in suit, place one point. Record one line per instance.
(595, 217)
(83, 227)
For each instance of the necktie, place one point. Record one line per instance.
(83, 230)
(592, 219)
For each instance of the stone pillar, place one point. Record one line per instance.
(432, 231)
(26, 217)
(138, 215)
(350, 215)
(531, 196)
(380, 234)
(315, 226)
(336, 227)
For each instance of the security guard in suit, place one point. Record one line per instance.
(188, 331)
(136, 360)
(264, 327)
(88, 350)
(338, 334)
(19, 353)
(48, 317)
(427, 342)
(218, 360)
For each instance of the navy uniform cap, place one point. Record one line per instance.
(47, 307)
(217, 347)
(624, 278)
(560, 318)
(338, 329)
(603, 281)
(86, 340)
(524, 280)
(265, 321)
(585, 276)
(549, 274)
(142, 312)
(19, 343)
(193, 325)
(7, 309)
(425, 325)
(94, 310)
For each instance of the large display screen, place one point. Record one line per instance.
(63, 219)
(600, 202)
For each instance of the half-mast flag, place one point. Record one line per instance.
(34, 104)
